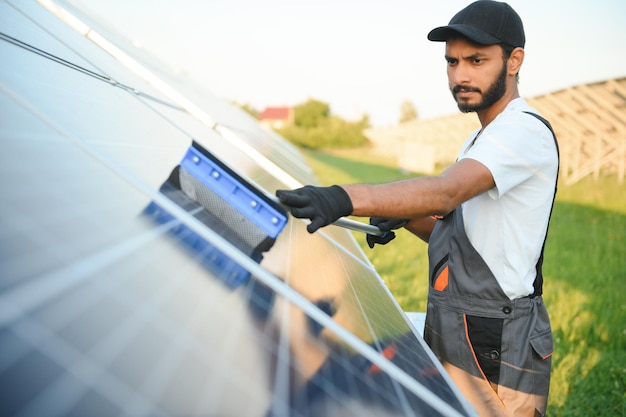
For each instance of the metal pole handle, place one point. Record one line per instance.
(358, 226)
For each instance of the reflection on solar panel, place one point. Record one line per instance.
(105, 310)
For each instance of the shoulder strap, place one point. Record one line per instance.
(538, 284)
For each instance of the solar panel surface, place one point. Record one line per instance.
(104, 312)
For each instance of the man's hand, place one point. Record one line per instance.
(322, 205)
(386, 226)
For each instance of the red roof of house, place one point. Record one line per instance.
(275, 113)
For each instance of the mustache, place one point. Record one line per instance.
(464, 88)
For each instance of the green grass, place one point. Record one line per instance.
(584, 289)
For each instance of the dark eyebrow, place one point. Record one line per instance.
(477, 55)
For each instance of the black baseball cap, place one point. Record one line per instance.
(484, 22)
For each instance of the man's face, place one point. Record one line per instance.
(476, 74)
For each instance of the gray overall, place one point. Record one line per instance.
(474, 327)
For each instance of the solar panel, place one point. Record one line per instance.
(104, 311)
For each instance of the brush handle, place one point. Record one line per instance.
(358, 226)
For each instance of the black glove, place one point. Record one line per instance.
(323, 205)
(386, 226)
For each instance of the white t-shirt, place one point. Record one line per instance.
(507, 224)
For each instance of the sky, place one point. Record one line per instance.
(359, 56)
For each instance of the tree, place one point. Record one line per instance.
(311, 113)
(407, 112)
(315, 127)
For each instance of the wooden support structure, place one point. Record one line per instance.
(589, 121)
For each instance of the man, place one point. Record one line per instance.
(485, 219)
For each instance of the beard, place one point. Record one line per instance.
(494, 93)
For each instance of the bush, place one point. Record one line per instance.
(314, 128)
(332, 132)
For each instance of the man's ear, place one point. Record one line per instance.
(515, 61)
